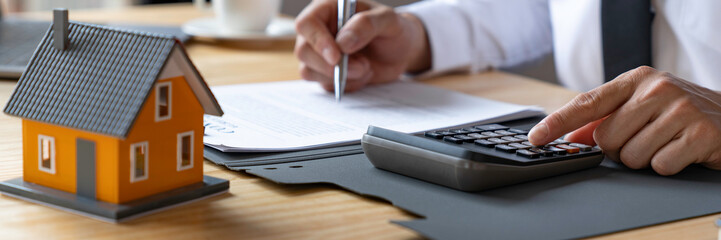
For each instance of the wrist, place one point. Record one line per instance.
(419, 58)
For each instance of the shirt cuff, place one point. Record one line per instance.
(449, 35)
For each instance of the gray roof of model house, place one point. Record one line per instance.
(100, 82)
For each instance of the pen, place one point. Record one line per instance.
(346, 8)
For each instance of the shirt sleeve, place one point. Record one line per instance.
(477, 35)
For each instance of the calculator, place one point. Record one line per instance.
(475, 158)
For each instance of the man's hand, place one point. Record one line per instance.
(382, 44)
(643, 118)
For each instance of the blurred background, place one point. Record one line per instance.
(290, 7)
(542, 69)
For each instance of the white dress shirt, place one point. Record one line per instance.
(477, 35)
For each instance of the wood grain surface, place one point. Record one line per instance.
(256, 208)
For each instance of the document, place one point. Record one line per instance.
(299, 115)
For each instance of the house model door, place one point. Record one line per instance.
(85, 167)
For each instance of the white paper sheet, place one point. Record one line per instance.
(295, 115)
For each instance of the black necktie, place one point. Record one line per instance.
(626, 35)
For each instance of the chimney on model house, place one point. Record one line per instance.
(60, 28)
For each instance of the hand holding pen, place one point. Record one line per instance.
(346, 8)
(381, 44)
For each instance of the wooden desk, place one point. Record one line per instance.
(256, 208)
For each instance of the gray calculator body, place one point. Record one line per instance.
(467, 166)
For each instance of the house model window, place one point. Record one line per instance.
(163, 100)
(185, 150)
(46, 154)
(138, 161)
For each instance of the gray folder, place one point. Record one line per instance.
(600, 200)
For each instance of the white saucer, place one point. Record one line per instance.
(279, 29)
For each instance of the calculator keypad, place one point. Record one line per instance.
(491, 127)
(528, 154)
(520, 146)
(452, 139)
(485, 143)
(508, 140)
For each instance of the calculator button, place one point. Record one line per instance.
(519, 146)
(478, 136)
(542, 152)
(556, 150)
(492, 134)
(512, 139)
(519, 131)
(583, 147)
(452, 139)
(484, 143)
(435, 135)
(528, 154)
(569, 149)
(528, 143)
(465, 138)
(524, 137)
(457, 131)
(556, 142)
(505, 148)
(498, 140)
(445, 133)
(491, 127)
(505, 133)
(473, 130)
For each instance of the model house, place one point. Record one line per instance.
(111, 115)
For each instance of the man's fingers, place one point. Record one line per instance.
(322, 10)
(308, 73)
(313, 24)
(357, 79)
(584, 134)
(638, 151)
(584, 108)
(363, 27)
(311, 58)
(358, 67)
(588, 107)
(675, 156)
(625, 122)
(357, 84)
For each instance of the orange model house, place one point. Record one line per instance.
(111, 115)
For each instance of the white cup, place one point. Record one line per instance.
(237, 16)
